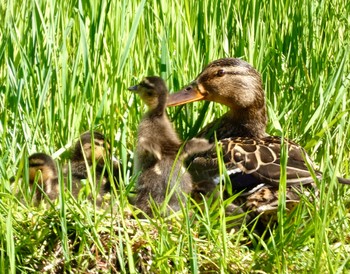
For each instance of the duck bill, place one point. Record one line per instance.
(133, 88)
(184, 96)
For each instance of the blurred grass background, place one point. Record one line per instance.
(65, 67)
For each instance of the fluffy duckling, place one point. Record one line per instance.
(159, 151)
(90, 147)
(251, 156)
(42, 169)
(88, 150)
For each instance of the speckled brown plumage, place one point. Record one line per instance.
(260, 157)
(251, 156)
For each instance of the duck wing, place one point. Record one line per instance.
(253, 161)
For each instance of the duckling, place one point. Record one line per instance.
(159, 152)
(42, 169)
(84, 154)
(98, 152)
(251, 156)
(84, 150)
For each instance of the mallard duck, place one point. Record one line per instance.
(92, 151)
(251, 156)
(159, 151)
(42, 170)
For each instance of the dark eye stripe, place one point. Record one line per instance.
(35, 164)
(235, 72)
(98, 144)
(147, 85)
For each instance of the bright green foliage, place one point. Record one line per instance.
(64, 69)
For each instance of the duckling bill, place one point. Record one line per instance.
(160, 152)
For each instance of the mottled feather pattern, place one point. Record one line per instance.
(261, 158)
(251, 157)
(255, 163)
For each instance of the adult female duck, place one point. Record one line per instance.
(251, 156)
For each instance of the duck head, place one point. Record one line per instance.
(153, 91)
(231, 82)
(91, 147)
(42, 165)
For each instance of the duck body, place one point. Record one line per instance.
(156, 139)
(156, 152)
(252, 157)
(250, 161)
(254, 169)
(160, 153)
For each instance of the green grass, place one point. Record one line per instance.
(64, 69)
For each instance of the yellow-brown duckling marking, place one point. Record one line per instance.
(42, 169)
(90, 147)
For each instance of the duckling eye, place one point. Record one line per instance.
(220, 72)
(149, 93)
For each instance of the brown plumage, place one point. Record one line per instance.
(159, 151)
(236, 84)
(251, 156)
(85, 155)
(92, 151)
(42, 170)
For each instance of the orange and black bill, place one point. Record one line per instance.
(189, 94)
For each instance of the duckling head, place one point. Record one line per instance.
(229, 81)
(153, 91)
(42, 164)
(85, 147)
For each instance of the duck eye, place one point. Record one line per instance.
(149, 93)
(220, 72)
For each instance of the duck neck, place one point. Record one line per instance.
(159, 109)
(237, 123)
(157, 112)
(247, 122)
